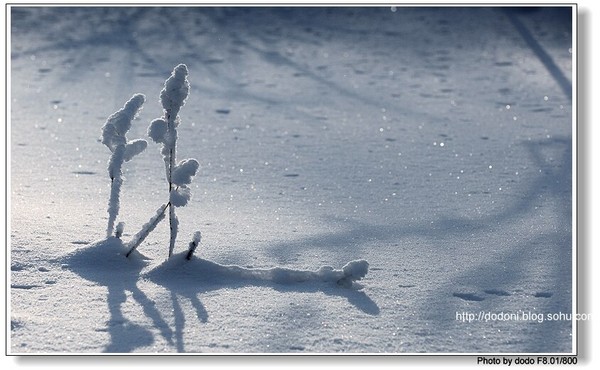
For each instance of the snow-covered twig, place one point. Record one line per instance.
(352, 271)
(198, 268)
(164, 130)
(146, 229)
(193, 245)
(113, 136)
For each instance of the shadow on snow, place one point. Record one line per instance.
(104, 262)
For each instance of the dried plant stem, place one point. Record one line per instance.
(147, 229)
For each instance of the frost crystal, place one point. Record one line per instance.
(146, 229)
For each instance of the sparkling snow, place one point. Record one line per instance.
(436, 144)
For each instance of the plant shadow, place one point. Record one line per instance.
(104, 263)
(189, 279)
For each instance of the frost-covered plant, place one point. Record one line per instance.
(113, 136)
(179, 175)
(164, 131)
(146, 229)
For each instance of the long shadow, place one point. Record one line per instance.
(540, 52)
(548, 253)
(104, 263)
(123, 34)
(189, 279)
(554, 179)
(202, 276)
(552, 187)
(97, 45)
(242, 34)
(495, 284)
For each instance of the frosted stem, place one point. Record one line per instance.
(114, 168)
(164, 130)
(147, 229)
(113, 205)
(113, 136)
(173, 224)
(193, 245)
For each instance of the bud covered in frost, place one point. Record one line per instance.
(177, 87)
(194, 244)
(157, 130)
(180, 196)
(117, 125)
(184, 171)
(134, 148)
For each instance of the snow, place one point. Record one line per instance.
(117, 125)
(436, 144)
(184, 171)
(133, 148)
(113, 136)
(157, 130)
(180, 196)
(176, 90)
(197, 270)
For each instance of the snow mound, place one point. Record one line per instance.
(200, 269)
(354, 270)
(104, 260)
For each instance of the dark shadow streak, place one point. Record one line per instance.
(179, 322)
(539, 51)
(552, 186)
(504, 271)
(198, 276)
(513, 266)
(120, 36)
(125, 336)
(195, 277)
(553, 178)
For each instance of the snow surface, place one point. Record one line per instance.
(434, 143)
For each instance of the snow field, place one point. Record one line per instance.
(440, 155)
